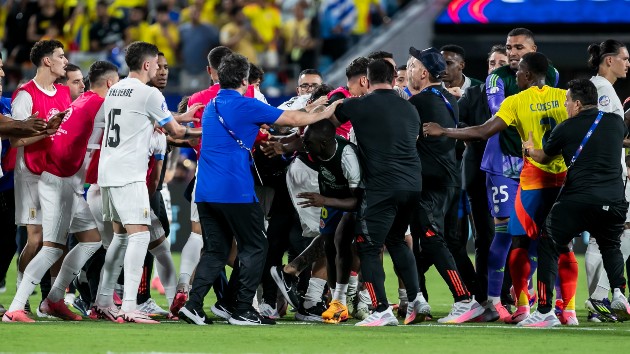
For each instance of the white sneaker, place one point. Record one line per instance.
(152, 309)
(463, 311)
(377, 319)
(620, 305)
(267, 311)
(417, 310)
(538, 319)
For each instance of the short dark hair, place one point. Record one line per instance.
(160, 54)
(454, 48)
(597, 52)
(161, 8)
(216, 55)
(520, 31)
(310, 72)
(71, 67)
(321, 130)
(182, 106)
(321, 90)
(99, 69)
(358, 67)
(137, 52)
(583, 90)
(255, 73)
(380, 71)
(379, 54)
(235, 10)
(401, 67)
(537, 63)
(233, 70)
(500, 48)
(43, 49)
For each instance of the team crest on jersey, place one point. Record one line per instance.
(165, 107)
(32, 214)
(52, 113)
(146, 213)
(604, 100)
(496, 208)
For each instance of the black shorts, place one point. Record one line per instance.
(385, 214)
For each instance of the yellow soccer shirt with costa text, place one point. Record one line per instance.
(537, 110)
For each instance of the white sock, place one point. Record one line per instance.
(402, 295)
(18, 281)
(340, 293)
(364, 297)
(314, 292)
(71, 267)
(33, 274)
(353, 283)
(134, 259)
(494, 299)
(112, 267)
(189, 259)
(596, 277)
(165, 269)
(625, 245)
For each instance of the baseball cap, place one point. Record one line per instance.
(431, 58)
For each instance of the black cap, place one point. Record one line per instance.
(432, 59)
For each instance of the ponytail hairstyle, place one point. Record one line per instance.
(597, 52)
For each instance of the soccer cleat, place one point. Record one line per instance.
(105, 313)
(287, 284)
(81, 306)
(362, 312)
(152, 309)
(489, 314)
(196, 316)
(620, 305)
(336, 312)
(377, 319)
(504, 314)
(538, 319)
(178, 302)
(311, 314)
(559, 307)
(16, 316)
(117, 299)
(568, 318)
(600, 310)
(220, 309)
(156, 284)
(249, 318)
(136, 317)
(417, 310)
(352, 300)
(58, 309)
(521, 313)
(463, 311)
(268, 312)
(41, 314)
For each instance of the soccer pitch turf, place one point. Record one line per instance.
(291, 336)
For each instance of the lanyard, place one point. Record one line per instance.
(446, 102)
(238, 141)
(586, 137)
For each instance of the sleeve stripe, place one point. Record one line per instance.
(165, 120)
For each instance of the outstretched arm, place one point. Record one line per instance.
(479, 132)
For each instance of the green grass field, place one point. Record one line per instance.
(290, 336)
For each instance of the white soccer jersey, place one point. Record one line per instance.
(608, 101)
(158, 145)
(131, 108)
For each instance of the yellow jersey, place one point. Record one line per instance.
(537, 110)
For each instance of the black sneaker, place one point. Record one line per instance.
(249, 318)
(27, 308)
(196, 316)
(221, 309)
(81, 305)
(311, 314)
(489, 314)
(287, 284)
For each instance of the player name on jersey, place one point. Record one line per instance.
(534, 107)
(120, 92)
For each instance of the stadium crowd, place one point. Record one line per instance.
(394, 162)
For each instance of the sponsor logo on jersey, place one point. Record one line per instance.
(328, 175)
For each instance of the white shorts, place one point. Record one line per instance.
(63, 209)
(302, 179)
(194, 213)
(166, 197)
(95, 201)
(128, 205)
(28, 210)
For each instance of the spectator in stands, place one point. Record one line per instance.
(46, 17)
(138, 27)
(197, 39)
(266, 22)
(107, 33)
(164, 34)
(365, 9)
(299, 45)
(207, 11)
(337, 18)
(239, 36)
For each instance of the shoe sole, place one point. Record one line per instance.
(544, 324)
(466, 316)
(280, 283)
(235, 322)
(308, 318)
(621, 311)
(220, 313)
(188, 317)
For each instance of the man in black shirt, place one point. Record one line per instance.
(441, 182)
(590, 200)
(386, 128)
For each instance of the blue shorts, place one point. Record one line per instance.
(501, 195)
(329, 220)
(530, 211)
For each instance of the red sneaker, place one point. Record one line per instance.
(178, 302)
(58, 309)
(117, 299)
(136, 317)
(17, 316)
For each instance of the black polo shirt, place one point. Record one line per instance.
(596, 177)
(386, 127)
